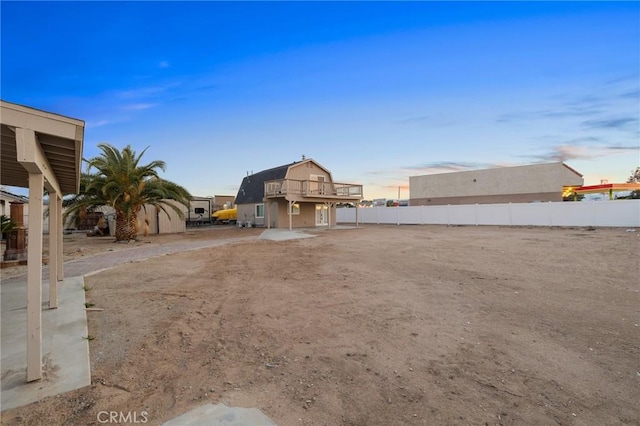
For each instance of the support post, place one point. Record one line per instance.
(267, 206)
(290, 203)
(60, 256)
(357, 209)
(54, 224)
(34, 279)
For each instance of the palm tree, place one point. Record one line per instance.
(6, 224)
(122, 183)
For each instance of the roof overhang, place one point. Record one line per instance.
(572, 169)
(615, 187)
(57, 151)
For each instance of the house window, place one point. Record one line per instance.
(295, 209)
(260, 211)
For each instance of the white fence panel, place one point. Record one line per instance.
(595, 213)
(617, 213)
(462, 215)
(436, 215)
(572, 214)
(528, 214)
(493, 214)
(409, 216)
(387, 215)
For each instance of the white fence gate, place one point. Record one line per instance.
(624, 213)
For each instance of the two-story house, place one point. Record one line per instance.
(297, 195)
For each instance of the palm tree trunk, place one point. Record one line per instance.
(126, 228)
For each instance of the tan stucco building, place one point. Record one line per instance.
(297, 195)
(520, 184)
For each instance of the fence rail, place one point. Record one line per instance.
(623, 213)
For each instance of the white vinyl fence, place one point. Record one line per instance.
(624, 213)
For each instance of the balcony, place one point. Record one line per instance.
(297, 189)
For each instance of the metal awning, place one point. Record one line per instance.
(608, 188)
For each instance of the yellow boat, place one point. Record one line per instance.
(225, 215)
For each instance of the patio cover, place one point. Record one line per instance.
(40, 150)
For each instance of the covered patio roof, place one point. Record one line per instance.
(58, 149)
(40, 150)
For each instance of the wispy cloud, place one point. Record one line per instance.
(632, 94)
(391, 186)
(610, 95)
(432, 168)
(623, 148)
(418, 119)
(623, 79)
(90, 124)
(564, 153)
(620, 123)
(565, 112)
(117, 106)
(428, 121)
(138, 106)
(568, 152)
(144, 92)
(164, 64)
(451, 166)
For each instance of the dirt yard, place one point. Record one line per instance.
(382, 325)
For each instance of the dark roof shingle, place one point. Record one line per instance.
(252, 188)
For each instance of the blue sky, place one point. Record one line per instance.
(374, 91)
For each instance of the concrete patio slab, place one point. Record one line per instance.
(65, 348)
(221, 415)
(283, 235)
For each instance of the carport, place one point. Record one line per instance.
(40, 150)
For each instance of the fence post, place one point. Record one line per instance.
(510, 216)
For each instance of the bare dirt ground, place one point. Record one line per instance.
(382, 325)
(78, 244)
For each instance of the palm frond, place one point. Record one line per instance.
(116, 178)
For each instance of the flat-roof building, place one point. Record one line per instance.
(519, 184)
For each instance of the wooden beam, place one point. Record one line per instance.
(60, 257)
(34, 278)
(59, 143)
(59, 153)
(40, 121)
(54, 224)
(290, 204)
(31, 156)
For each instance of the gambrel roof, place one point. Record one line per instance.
(252, 188)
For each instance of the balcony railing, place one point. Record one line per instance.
(311, 188)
